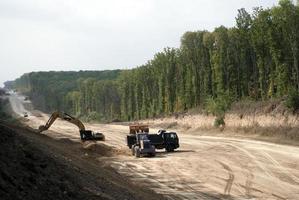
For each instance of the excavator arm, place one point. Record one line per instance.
(63, 116)
(84, 134)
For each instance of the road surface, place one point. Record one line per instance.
(203, 167)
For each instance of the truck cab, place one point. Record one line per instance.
(164, 139)
(171, 141)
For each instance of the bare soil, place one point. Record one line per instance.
(204, 167)
(37, 167)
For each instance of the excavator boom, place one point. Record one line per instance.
(63, 116)
(84, 134)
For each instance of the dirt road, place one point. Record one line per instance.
(203, 168)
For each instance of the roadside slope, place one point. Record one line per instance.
(268, 121)
(37, 167)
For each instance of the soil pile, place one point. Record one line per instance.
(27, 173)
(35, 166)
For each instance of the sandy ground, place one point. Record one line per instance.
(204, 167)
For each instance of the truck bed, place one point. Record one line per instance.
(155, 139)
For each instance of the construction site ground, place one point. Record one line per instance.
(204, 167)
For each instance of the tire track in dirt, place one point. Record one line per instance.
(227, 147)
(249, 184)
(266, 167)
(230, 180)
(292, 179)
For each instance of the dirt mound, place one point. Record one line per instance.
(26, 173)
(35, 166)
(98, 148)
(36, 113)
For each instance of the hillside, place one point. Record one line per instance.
(269, 121)
(52, 90)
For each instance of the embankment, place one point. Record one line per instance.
(266, 119)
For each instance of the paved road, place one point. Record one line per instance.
(203, 168)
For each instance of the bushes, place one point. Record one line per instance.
(292, 101)
(219, 121)
(217, 107)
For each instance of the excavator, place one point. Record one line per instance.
(84, 134)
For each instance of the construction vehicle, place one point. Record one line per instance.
(143, 146)
(25, 114)
(84, 134)
(164, 139)
(161, 140)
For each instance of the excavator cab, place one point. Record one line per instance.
(90, 135)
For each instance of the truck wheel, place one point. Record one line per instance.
(169, 148)
(152, 154)
(133, 151)
(137, 153)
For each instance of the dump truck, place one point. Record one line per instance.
(84, 134)
(162, 140)
(142, 146)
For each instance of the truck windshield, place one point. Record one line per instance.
(171, 135)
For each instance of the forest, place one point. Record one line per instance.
(257, 59)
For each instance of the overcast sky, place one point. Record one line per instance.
(43, 35)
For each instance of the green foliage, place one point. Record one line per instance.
(292, 101)
(219, 121)
(219, 105)
(257, 59)
(78, 93)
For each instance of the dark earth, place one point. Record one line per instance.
(34, 166)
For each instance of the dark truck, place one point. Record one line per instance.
(164, 139)
(143, 146)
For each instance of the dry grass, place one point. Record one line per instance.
(269, 119)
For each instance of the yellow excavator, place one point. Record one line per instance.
(84, 134)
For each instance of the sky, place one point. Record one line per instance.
(63, 35)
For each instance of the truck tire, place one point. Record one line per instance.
(152, 154)
(133, 151)
(137, 153)
(169, 148)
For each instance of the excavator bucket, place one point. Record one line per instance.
(41, 128)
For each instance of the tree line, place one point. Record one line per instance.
(257, 59)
